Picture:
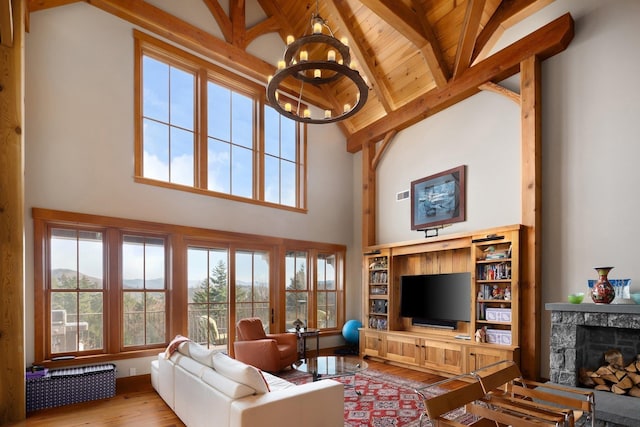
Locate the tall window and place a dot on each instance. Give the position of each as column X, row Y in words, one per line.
column 296, row 288
column 252, row 285
column 77, row 290
column 282, row 158
column 230, row 141
column 143, row 291
column 204, row 129
column 208, row 295
column 168, row 122
column 326, row 291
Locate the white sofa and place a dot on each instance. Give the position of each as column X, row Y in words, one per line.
column 208, row 388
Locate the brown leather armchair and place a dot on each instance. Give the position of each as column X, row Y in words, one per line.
column 269, row 352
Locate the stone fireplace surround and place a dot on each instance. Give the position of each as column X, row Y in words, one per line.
column 580, row 333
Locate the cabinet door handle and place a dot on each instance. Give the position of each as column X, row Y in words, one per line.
column 472, row 354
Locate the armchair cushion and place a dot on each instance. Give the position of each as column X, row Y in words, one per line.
column 269, row 352
column 250, row 329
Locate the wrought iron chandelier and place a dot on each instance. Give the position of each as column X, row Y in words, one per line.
column 317, row 59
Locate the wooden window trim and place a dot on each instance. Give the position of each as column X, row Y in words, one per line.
column 205, row 71
column 177, row 238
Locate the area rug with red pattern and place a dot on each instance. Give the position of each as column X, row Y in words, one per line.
column 375, row 399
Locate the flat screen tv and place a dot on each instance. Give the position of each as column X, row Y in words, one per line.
column 438, row 300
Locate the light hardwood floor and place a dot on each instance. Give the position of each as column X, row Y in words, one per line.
column 137, row 404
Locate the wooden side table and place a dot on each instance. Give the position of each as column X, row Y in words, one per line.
column 303, row 334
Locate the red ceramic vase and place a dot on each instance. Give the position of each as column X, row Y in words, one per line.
column 603, row 292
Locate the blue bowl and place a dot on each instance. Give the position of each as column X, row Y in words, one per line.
column 636, row 297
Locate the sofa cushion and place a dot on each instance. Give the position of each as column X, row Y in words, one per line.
column 240, row 372
column 198, row 353
column 190, row 365
column 230, row 388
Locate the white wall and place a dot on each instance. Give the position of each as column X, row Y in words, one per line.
column 483, row 133
column 590, row 150
column 79, row 150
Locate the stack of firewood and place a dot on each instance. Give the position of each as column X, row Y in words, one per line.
column 614, row 376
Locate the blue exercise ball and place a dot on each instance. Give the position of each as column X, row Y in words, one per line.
column 350, row 331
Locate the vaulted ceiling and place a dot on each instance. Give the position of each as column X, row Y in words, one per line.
column 418, row 56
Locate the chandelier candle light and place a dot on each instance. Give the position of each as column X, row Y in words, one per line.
column 317, row 59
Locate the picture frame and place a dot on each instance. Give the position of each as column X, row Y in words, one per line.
column 438, row 199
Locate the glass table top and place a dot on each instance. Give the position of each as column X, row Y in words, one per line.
column 331, row 366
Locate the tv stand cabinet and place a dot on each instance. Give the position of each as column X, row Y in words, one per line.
column 492, row 258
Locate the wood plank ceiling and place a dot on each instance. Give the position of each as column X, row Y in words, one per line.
column 408, row 50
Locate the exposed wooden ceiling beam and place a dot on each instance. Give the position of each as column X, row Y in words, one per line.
column 272, row 10
column 221, row 18
column 400, row 17
column 501, row 90
column 544, row 42
column 339, row 10
column 494, row 27
column 35, row 5
column 156, row 20
column 468, row 35
column 383, row 148
column 269, row 25
column 238, row 22
column 431, row 51
column 406, row 22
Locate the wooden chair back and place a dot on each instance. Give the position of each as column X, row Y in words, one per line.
column 504, row 380
column 497, row 375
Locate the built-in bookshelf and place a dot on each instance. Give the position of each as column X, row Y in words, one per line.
column 495, row 315
column 377, row 290
column 492, row 259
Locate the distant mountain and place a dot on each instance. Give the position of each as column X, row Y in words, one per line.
column 60, row 275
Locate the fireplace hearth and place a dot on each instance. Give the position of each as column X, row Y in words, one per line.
column 580, row 335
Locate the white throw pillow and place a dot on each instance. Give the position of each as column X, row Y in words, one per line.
column 240, row 372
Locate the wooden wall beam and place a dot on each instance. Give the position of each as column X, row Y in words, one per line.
column 371, row 156
column 368, row 195
column 531, row 170
column 12, row 389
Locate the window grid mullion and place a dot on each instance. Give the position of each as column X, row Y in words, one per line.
column 204, row 72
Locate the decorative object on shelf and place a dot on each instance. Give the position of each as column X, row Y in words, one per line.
column 602, row 291
column 298, row 324
column 621, row 288
column 576, row 298
column 438, row 199
column 481, row 334
column 317, row 59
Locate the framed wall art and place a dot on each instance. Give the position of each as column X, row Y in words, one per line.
column 438, row 199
